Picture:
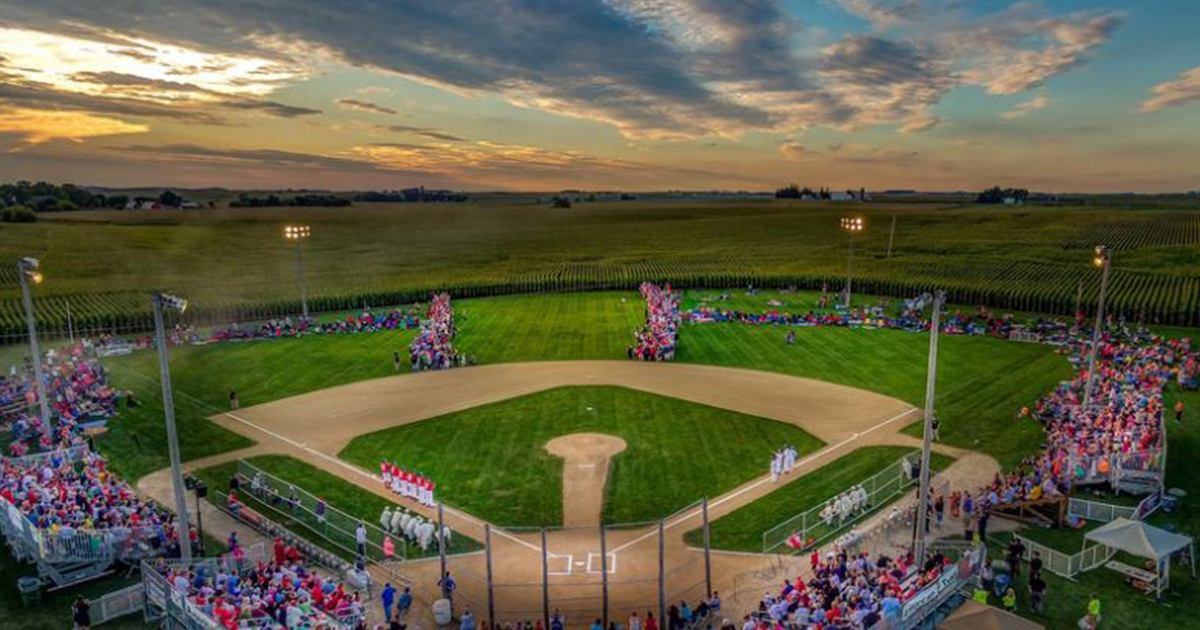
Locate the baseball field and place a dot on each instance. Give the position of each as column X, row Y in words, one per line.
column 552, row 431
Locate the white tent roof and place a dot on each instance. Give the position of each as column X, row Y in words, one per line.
column 1138, row 538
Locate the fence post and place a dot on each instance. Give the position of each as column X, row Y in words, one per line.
column 604, row 575
column 662, row 577
column 545, row 583
column 442, row 552
column 487, row 548
column 707, row 553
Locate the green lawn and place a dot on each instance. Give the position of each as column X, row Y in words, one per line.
column 490, row 460
column 552, row 327
column 259, row 371
column 742, row 529
column 339, row 493
column 54, row 611
column 982, row 382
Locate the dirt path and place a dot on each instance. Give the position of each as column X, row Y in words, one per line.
column 315, row 427
column 585, row 472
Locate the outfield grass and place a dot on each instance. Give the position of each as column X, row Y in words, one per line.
column 564, row 326
column 742, row 529
column 340, row 494
column 491, row 461
column 982, row 382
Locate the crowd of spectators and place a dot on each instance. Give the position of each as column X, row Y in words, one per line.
column 275, row 593
column 365, row 322
column 432, row 349
column 61, row 497
column 78, row 395
column 846, row 591
column 657, row 339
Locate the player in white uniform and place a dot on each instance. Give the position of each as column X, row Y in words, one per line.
column 385, row 519
column 775, row 466
column 399, row 521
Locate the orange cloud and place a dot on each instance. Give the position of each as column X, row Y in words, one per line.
column 37, row 126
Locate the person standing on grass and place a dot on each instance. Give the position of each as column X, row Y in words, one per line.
column 1010, row 600
column 319, row 510
column 1179, row 411
column 396, row 360
column 1035, row 565
column 234, row 404
column 1093, row 610
column 81, row 613
column 1037, row 592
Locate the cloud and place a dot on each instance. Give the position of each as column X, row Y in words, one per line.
column 364, row 106
column 649, row 68
column 38, row 126
column 1022, row 47
column 1021, row 109
column 427, row 132
column 1181, row 91
column 793, row 151
column 887, row 81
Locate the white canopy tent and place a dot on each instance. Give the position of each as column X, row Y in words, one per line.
column 1145, row 541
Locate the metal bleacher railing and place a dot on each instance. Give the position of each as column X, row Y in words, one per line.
column 813, row 528
column 300, row 506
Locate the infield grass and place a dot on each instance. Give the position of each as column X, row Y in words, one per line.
column 491, row 460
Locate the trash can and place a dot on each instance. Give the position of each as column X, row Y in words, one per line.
column 31, row 590
column 442, row 613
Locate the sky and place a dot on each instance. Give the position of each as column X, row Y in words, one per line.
column 1053, row 95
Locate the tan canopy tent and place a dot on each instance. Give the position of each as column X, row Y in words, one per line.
column 975, row 616
column 1145, row 541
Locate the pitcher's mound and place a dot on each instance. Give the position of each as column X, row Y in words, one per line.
column 585, row 470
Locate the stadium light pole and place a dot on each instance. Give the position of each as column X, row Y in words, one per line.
column 27, row 270
column 160, row 301
column 852, row 225
column 298, row 233
column 927, row 442
column 1101, row 258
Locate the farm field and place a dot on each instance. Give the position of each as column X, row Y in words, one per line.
column 234, row 264
column 490, row 460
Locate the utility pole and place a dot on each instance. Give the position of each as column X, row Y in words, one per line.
column 181, row 511
column 927, row 443
column 27, row 271
column 891, row 236
column 1103, row 260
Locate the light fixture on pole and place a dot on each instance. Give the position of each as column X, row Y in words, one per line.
column 161, row 301
column 27, row 271
column 1102, row 259
column 939, row 298
column 298, row 233
column 852, row 225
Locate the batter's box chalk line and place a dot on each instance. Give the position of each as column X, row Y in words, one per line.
column 593, row 563
column 556, row 563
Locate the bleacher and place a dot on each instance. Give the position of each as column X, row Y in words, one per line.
column 66, row 558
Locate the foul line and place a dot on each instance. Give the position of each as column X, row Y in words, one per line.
column 467, row 517
column 767, row 479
